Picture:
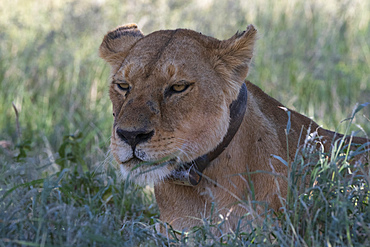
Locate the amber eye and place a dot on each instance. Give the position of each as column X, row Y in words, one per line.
column 123, row 86
column 179, row 88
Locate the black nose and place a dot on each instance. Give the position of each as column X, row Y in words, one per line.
column 133, row 138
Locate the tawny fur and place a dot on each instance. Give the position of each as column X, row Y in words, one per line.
column 191, row 123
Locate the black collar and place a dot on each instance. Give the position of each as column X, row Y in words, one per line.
column 190, row 173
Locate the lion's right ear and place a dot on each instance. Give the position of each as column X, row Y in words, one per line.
column 234, row 55
column 118, row 42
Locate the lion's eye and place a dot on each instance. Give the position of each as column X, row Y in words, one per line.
column 179, row 88
column 123, row 86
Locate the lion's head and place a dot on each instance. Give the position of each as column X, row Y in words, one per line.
column 171, row 92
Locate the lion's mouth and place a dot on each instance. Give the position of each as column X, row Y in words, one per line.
column 135, row 163
column 144, row 171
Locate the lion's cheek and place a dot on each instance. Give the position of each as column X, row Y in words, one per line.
column 205, row 131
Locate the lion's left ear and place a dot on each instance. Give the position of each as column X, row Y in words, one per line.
column 234, row 55
column 118, row 42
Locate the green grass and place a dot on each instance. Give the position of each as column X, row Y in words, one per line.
column 313, row 57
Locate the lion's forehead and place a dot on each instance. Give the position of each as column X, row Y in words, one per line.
column 172, row 43
column 163, row 71
column 166, row 54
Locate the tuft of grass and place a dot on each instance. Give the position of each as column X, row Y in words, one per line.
column 74, row 206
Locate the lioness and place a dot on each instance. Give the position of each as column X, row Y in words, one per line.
column 182, row 105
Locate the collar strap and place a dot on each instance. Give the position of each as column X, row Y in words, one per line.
column 190, row 173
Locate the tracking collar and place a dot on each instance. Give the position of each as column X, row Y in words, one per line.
column 190, row 173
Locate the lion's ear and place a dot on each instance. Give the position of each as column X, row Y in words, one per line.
column 235, row 54
column 119, row 41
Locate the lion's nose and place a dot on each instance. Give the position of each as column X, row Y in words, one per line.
column 133, row 138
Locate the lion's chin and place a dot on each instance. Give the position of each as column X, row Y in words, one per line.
column 144, row 173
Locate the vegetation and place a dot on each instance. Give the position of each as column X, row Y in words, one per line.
column 57, row 184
